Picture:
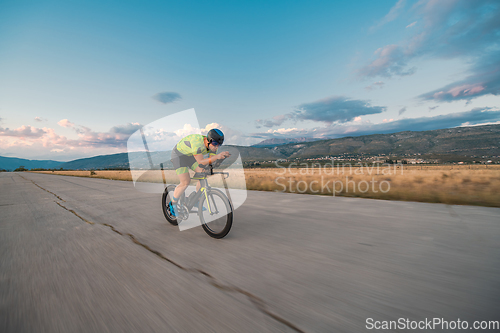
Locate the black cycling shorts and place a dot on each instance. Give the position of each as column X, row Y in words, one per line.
column 182, row 163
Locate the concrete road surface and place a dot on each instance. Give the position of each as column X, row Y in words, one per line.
column 93, row 255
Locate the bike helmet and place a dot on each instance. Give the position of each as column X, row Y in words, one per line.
column 215, row 135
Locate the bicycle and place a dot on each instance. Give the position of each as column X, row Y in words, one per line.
column 214, row 207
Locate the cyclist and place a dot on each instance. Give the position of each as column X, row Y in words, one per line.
column 188, row 153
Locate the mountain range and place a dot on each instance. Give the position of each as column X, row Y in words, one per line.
column 461, row 142
column 11, row 163
column 453, row 144
column 278, row 142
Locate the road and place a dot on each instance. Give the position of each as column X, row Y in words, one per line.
column 94, row 255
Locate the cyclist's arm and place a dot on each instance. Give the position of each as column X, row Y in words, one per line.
column 199, row 158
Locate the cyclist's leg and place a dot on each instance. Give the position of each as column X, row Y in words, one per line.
column 181, row 164
column 184, row 180
column 196, row 168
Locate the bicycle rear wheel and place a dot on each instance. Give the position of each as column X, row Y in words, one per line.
column 217, row 218
column 166, row 198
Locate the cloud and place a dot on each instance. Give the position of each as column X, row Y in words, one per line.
column 44, row 142
column 411, row 25
column 65, row 123
column 51, row 139
column 160, row 139
column 391, row 60
column 475, row 116
column 484, row 80
column 231, row 137
column 393, row 13
column 336, row 109
column 472, row 117
column 31, row 142
column 208, row 127
column 126, row 129
column 116, row 137
column 450, row 29
column 402, row 110
column 374, row 85
column 40, row 119
column 285, row 131
column 456, row 91
column 274, row 121
column 79, row 129
column 186, row 130
column 167, row 97
column 23, row 132
column 329, row 110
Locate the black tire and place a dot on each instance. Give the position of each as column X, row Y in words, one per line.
column 164, row 204
column 224, row 222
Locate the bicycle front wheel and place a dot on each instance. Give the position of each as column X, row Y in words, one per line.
column 216, row 214
column 165, row 200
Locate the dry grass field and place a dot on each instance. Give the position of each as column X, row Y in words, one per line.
column 477, row 185
column 457, row 184
column 108, row 174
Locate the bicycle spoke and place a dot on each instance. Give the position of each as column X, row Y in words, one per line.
column 216, row 221
column 214, row 205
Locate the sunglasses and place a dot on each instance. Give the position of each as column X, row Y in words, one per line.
column 215, row 143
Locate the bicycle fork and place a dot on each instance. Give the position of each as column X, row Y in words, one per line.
column 210, row 207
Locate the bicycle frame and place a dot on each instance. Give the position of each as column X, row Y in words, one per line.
column 204, row 189
column 213, row 196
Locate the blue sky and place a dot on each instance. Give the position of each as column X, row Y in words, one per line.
column 77, row 78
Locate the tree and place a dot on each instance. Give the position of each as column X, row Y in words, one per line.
column 21, row 168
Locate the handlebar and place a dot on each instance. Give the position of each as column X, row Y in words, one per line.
column 214, row 164
column 210, row 170
column 209, row 173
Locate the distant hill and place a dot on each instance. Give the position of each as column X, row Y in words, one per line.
column 12, row 163
column 118, row 161
column 277, row 142
column 454, row 144
column 459, row 141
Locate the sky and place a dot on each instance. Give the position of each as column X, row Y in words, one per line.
column 77, row 78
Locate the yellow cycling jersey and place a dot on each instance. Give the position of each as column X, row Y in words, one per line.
column 193, row 144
